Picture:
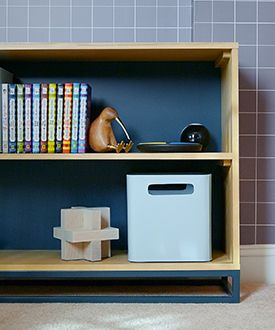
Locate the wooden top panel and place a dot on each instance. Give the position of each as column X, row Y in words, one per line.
column 114, row 52
column 51, row 260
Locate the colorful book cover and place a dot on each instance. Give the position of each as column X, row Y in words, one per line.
column 44, row 119
column 51, row 118
column 75, row 118
column 5, row 118
column 28, row 118
column 12, row 118
column 84, row 117
column 66, row 147
column 20, row 118
column 59, row 117
column 36, row 118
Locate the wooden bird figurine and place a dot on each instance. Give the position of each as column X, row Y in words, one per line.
column 101, row 135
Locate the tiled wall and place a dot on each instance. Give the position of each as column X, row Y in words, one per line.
column 251, row 23
column 95, row 20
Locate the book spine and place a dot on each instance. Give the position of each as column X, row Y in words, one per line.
column 75, row 118
column 84, row 117
column 51, row 118
column 67, row 118
column 28, row 118
column 44, row 119
column 20, row 118
column 5, row 119
column 59, row 117
column 12, row 118
column 36, row 118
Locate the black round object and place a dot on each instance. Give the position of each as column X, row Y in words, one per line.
column 196, row 133
column 169, row 147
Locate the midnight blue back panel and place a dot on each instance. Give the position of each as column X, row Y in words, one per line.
column 33, row 192
column 155, row 101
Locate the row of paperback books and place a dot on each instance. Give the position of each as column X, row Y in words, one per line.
column 45, row 118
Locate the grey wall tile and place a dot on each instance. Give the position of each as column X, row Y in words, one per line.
column 247, row 235
column 266, row 213
column 124, row 16
column 266, row 169
column 266, row 123
column 246, row 34
column 265, row 235
column 103, row 17
column 185, row 17
column 223, row 11
column 266, row 56
column 247, row 123
column 247, row 101
column 247, row 56
column 130, row 3
column 3, row 21
column 266, row 146
column 146, row 2
column 167, row 16
column 60, row 35
column 102, row 35
column 247, row 78
column 39, row 17
column 58, row 3
column 124, row 35
column 247, row 213
column 44, row 3
column 146, row 16
column 165, row 35
column 266, row 12
column 246, row 11
column 38, row 35
column 247, row 191
column 266, row 78
column 247, row 168
column 223, row 32
column 82, row 17
column 247, row 146
column 3, row 3
column 185, row 2
column 266, row 191
column 17, row 3
column 266, row 34
column 167, row 3
column 202, row 32
column 100, row 3
column 81, row 3
column 17, row 17
column 81, row 35
column 266, row 101
column 60, row 16
column 146, row 35
column 3, row 35
column 203, row 11
column 17, row 35
column 185, row 35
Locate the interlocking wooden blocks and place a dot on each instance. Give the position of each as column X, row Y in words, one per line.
column 85, row 233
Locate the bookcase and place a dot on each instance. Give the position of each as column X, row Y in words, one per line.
column 157, row 90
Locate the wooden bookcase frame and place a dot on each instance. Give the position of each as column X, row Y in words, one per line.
column 225, row 56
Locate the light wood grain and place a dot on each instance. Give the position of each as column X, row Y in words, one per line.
column 50, row 260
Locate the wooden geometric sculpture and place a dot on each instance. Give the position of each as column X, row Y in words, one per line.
column 85, row 233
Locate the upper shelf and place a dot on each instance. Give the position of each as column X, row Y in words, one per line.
column 224, row 156
column 115, row 52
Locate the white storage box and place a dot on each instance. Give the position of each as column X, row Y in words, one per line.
column 169, row 217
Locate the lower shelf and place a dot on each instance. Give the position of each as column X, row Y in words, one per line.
column 41, row 260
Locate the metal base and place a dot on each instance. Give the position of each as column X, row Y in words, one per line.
column 228, row 279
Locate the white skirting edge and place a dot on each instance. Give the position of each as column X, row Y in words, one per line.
column 258, row 263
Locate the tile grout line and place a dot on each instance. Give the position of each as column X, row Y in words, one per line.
column 113, row 27
column 7, row 20
column 135, row 20
column 157, row 3
column 212, row 19
column 28, row 21
column 92, row 21
column 71, row 20
column 50, row 21
column 256, row 111
column 178, row 20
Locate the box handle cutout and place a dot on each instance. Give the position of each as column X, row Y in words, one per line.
column 171, row 189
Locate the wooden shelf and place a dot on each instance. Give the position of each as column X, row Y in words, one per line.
column 226, row 156
column 116, row 52
column 41, row 260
